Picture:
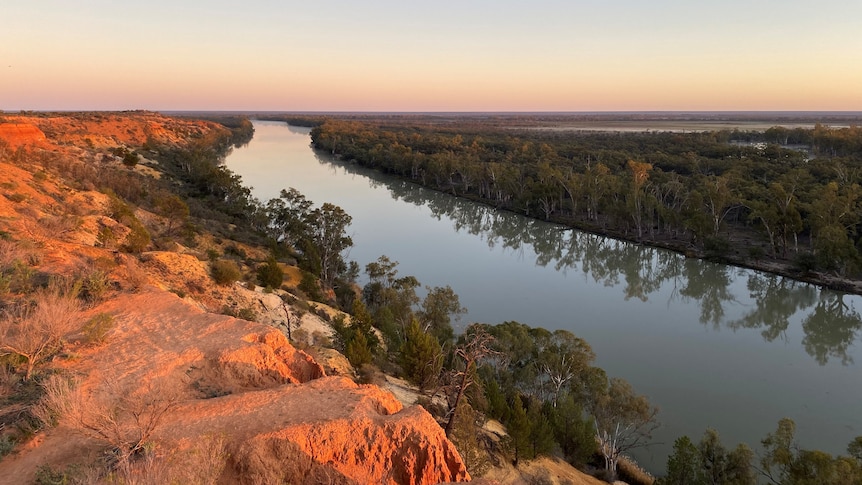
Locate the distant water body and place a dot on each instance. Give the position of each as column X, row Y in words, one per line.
column 711, row 345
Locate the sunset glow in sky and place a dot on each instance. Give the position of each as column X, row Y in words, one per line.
column 543, row 55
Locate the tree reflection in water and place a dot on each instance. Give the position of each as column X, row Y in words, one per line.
column 830, row 325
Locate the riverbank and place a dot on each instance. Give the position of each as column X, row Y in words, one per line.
column 732, row 255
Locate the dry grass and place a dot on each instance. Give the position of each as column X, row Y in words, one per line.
column 36, row 330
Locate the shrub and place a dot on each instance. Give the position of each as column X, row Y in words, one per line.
column 270, row 274
column 130, row 159
column 138, row 239
column 106, row 237
column 225, row 272
column 94, row 285
column 7, row 444
column 16, row 197
column 36, row 332
column 96, row 329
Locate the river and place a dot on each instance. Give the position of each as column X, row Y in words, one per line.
column 711, row 345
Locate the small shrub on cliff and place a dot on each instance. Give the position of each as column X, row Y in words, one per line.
column 36, row 331
column 270, row 274
column 225, row 272
column 97, row 328
column 138, row 239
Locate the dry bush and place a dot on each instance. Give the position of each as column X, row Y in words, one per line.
column 59, row 225
column 204, row 463
column 135, row 277
column 35, row 330
column 9, row 253
column 58, row 399
column 122, row 418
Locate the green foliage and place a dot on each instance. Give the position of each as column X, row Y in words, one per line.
column 519, row 428
column 573, row 430
column 693, row 191
column 310, row 286
column 137, row 240
column 174, row 209
column 358, row 351
column 421, row 357
column 541, row 434
column 94, row 285
column 784, row 462
column 245, row 313
column 270, row 274
column 130, row 159
column 106, row 237
column 465, row 438
column 97, row 328
column 855, row 448
column 7, row 444
column 683, row 466
column 437, row 309
column 709, row 463
column 225, row 272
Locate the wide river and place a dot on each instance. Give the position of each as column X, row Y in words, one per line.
column 711, row 345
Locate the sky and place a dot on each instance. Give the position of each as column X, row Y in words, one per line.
column 541, row 55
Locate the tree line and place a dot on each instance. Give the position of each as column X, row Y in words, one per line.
column 738, row 196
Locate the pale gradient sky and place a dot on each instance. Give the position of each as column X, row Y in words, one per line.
column 542, row 55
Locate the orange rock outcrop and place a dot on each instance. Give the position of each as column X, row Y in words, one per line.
column 284, row 420
column 18, row 134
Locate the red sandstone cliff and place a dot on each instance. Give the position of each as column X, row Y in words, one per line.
column 283, row 420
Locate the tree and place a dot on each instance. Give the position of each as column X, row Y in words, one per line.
column 174, row 209
column 683, row 466
column 358, row 351
column 477, row 345
column 784, row 462
column 639, row 176
column 709, row 463
column 779, row 452
column 329, row 232
column 390, row 299
column 438, row 307
column 518, row 427
column 855, row 449
column 720, row 467
column 623, row 419
column 421, row 356
column 563, row 358
column 288, row 216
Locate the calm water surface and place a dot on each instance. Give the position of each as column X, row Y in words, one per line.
column 711, row 345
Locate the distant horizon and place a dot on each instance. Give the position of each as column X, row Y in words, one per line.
column 432, row 112
column 384, row 56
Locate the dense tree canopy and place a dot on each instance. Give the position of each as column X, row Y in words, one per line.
column 734, row 195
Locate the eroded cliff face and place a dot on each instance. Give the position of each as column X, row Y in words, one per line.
column 283, row 420
column 278, row 416
column 19, row 134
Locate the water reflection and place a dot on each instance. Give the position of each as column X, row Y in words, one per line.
column 830, row 325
